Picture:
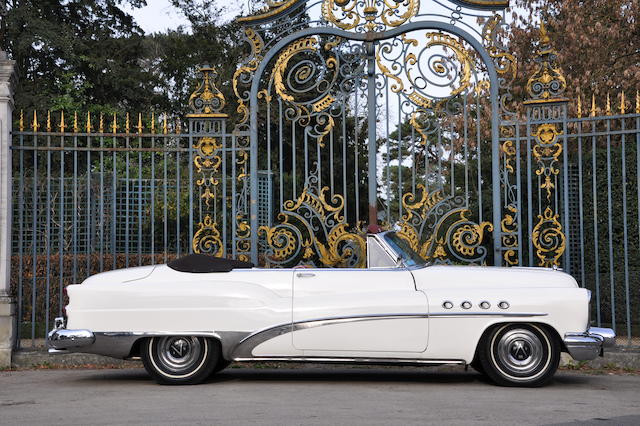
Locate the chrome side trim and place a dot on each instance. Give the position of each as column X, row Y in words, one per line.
column 246, row 345
column 355, row 360
column 487, row 314
column 119, row 344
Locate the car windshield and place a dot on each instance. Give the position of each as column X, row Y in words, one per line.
column 400, row 246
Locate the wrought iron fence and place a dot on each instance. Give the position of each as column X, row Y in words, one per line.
column 464, row 177
column 89, row 199
column 595, row 182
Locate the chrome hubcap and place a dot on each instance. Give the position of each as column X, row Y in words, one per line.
column 521, row 351
column 178, row 353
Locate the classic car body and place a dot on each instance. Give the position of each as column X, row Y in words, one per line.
column 395, row 311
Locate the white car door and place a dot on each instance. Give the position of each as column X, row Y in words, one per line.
column 358, row 310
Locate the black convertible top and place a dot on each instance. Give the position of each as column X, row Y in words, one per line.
column 203, row 263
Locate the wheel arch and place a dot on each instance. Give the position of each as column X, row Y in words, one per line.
column 136, row 350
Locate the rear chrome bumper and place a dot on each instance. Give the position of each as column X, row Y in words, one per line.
column 61, row 340
column 588, row 345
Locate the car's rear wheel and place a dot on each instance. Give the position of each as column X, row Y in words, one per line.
column 520, row 355
column 180, row 360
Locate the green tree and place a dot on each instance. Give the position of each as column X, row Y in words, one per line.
column 78, row 54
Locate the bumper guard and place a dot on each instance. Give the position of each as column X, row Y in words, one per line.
column 588, row 345
column 61, row 340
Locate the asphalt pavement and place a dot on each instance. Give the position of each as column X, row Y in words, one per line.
column 314, row 395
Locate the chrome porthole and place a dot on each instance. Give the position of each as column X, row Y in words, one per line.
column 466, row 305
column 503, row 305
column 447, row 305
column 485, row 305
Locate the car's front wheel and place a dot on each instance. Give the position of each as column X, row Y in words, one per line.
column 520, row 355
column 180, row 360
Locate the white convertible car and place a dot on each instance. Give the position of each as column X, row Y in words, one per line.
column 194, row 316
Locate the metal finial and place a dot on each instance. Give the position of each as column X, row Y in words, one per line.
column 127, row 128
column 165, row 129
column 593, row 105
column 22, row 120
column 579, row 106
column 140, row 127
column 48, row 120
column 608, row 111
column 35, row 124
column 637, row 101
column 623, row 107
column 101, row 126
column 88, row 121
column 153, row 122
column 75, row 122
column 114, row 124
column 63, row 126
column 544, row 35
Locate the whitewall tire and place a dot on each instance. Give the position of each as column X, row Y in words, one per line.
column 180, row 360
column 519, row 355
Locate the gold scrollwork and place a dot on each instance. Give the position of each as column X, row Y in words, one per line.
column 311, row 114
column 272, row 9
column 509, row 227
column 509, row 150
column 207, row 164
column 372, row 14
column 439, row 68
column 547, row 152
column 451, row 236
column 466, row 236
column 547, row 84
column 548, row 239
column 312, row 228
column 243, row 74
column 506, row 64
column 207, row 100
column 207, row 239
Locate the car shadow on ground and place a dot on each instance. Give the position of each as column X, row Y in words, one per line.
column 335, row 375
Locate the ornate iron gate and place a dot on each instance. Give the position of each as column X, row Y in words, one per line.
column 368, row 113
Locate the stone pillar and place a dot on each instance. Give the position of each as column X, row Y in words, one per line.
column 7, row 307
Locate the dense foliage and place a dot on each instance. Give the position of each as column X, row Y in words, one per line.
column 91, row 55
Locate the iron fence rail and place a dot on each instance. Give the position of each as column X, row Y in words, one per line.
column 89, row 202
column 598, row 190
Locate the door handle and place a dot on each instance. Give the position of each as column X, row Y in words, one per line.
column 305, row 275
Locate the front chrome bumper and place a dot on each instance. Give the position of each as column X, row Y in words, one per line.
column 61, row 340
column 588, row 345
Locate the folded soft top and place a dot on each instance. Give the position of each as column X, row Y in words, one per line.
column 203, row 263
